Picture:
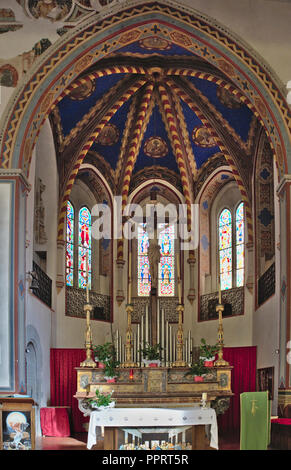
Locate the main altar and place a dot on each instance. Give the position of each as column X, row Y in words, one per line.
column 165, row 386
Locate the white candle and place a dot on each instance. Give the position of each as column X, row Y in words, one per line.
column 167, row 342
column 163, row 334
column 147, row 324
column 158, row 322
column 87, row 277
column 138, row 342
column 117, row 345
column 171, row 344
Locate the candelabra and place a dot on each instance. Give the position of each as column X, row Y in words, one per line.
column 89, row 362
column 220, row 308
column 180, row 340
column 129, row 340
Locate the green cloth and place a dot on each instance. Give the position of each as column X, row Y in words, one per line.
column 254, row 421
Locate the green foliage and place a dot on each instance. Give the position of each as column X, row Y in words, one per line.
column 151, row 352
column 102, row 399
column 104, row 351
column 206, row 350
column 107, row 355
column 197, row 368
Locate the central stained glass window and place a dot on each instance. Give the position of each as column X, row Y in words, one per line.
column 84, row 246
column 166, row 272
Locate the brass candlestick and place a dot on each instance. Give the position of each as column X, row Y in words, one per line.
column 89, row 362
column 180, row 340
column 129, row 340
column 220, row 361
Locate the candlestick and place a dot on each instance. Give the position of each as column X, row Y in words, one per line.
column 87, row 277
column 129, row 277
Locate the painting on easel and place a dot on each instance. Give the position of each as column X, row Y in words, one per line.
column 17, row 430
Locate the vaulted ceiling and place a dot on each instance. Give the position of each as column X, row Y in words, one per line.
column 179, row 119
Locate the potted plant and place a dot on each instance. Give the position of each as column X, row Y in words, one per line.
column 197, row 370
column 207, row 352
column 103, row 352
column 110, row 372
column 151, row 354
column 106, row 356
column 102, row 400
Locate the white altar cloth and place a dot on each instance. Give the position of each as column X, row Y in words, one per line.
column 143, row 417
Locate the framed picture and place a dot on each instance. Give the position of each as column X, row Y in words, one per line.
column 265, row 381
column 17, row 426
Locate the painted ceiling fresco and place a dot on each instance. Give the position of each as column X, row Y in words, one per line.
column 199, row 106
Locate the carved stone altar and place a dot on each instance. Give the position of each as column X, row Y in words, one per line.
column 155, row 387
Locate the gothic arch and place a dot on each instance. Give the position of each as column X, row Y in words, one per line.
column 98, row 36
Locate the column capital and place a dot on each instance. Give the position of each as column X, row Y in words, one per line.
column 15, row 173
column 286, row 179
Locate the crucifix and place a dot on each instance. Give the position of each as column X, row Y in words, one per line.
column 154, row 254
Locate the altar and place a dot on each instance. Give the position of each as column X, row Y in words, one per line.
column 118, row 423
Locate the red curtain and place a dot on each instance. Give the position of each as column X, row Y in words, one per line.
column 243, row 379
column 64, row 382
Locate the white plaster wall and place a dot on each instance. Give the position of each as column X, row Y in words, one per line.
column 37, row 314
column 266, row 317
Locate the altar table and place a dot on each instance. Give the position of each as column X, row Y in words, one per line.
column 114, row 418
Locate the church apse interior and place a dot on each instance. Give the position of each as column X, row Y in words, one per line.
column 135, row 121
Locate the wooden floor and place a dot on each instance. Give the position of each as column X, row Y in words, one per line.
column 79, row 442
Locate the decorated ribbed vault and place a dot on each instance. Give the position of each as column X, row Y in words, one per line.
column 154, row 110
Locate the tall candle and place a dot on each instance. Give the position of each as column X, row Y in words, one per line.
column 138, row 342
column 219, row 292
column 167, row 342
column 179, row 278
column 171, row 344
column 158, row 321
column 163, row 334
column 87, row 277
column 129, row 277
column 147, row 324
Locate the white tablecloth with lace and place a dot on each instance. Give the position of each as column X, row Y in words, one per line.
column 153, row 417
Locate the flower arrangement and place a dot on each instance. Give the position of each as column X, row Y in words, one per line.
column 102, row 400
column 197, row 369
column 106, row 354
column 207, row 352
column 151, row 352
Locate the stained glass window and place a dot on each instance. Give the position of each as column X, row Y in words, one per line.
column 166, row 281
column 239, row 221
column 84, row 243
column 70, row 245
column 144, row 278
column 225, row 249
column 166, row 265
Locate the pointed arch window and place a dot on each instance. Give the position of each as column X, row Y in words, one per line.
column 239, row 221
column 231, row 247
column 225, row 249
column 143, row 266
column 166, row 273
column 166, row 265
column 84, row 247
column 70, row 245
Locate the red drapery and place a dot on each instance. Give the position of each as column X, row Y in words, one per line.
column 243, row 379
column 64, row 382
